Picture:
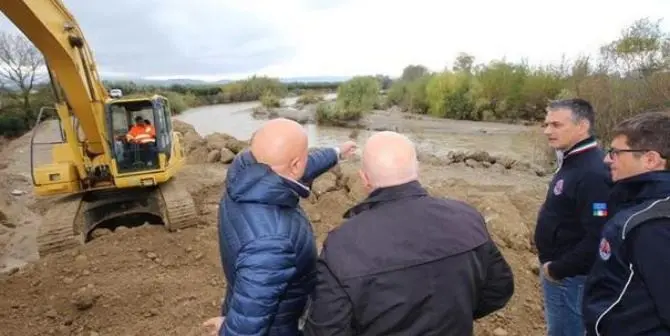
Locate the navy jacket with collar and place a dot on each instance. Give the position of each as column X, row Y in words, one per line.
column 571, row 218
column 628, row 289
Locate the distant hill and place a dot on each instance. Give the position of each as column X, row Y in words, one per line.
column 315, row 79
column 188, row 81
column 160, row 82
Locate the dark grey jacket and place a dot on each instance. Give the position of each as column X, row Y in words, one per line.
column 405, row 263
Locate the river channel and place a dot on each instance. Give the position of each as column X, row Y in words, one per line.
column 431, row 135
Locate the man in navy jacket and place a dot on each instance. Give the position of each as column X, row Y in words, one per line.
column 627, row 291
column 571, row 218
column 267, row 245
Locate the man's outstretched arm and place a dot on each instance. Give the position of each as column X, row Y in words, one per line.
column 263, row 271
column 319, row 161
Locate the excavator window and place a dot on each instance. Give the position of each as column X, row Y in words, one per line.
column 136, row 143
column 120, row 120
column 163, row 130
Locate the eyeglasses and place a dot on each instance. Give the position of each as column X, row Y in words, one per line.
column 613, row 152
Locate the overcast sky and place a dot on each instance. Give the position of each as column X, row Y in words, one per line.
column 213, row 39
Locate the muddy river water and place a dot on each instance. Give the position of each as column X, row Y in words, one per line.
column 432, row 135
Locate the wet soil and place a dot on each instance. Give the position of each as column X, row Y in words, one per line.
column 147, row 281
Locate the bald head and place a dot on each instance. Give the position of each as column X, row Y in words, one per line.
column 280, row 143
column 389, row 159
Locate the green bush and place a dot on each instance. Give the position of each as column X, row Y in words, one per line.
column 252, row 89
column 356, row 97
column 310, row 97
column 270, row 100
column 178, row 102
column 450, row 94
column 12, row 124
column 325, row 112
column 411, row 96
column 330, row 113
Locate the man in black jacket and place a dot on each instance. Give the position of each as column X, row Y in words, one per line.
column 403, row 262
column 626, row 292
column 572, row 216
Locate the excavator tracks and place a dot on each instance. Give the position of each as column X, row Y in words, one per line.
column 179, row 208
column 56, row 232
column 68, row 222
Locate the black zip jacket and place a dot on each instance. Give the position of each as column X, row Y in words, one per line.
column 626, row 292
column 571, row 219
column 405, row 263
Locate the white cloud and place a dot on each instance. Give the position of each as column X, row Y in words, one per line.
column 374, row 36
column 347, row 37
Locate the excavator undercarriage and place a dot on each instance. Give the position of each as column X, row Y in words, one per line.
column 71, row 221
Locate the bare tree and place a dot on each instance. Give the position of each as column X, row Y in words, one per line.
column 642, row 49
column 463, row 62
column 413, row 72
column 20, row 65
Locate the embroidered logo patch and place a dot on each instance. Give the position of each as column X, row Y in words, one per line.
column 604, row 249
column 558, row 187
column 600, row 209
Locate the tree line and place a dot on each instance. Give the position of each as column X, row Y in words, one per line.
column 629, row 75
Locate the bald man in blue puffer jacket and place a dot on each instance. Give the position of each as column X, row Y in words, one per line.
column 267, row 246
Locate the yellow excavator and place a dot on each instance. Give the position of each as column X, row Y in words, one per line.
column 107, row 180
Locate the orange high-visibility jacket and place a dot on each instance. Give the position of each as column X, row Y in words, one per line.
column 141, row 134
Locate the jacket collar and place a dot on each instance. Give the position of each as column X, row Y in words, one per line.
column 249, row 181
column 581, row 147
column 387, row 194
column 640, row 188
column 297, row 187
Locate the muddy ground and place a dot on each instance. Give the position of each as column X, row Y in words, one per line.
column 146, row 281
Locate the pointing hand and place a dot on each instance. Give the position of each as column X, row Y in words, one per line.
column 347, row 149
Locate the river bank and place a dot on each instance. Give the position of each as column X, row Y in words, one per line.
column 434, row 137
column 150, row 282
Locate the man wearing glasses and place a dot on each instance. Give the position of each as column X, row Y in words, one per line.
column 627, row 291
column 570, row 220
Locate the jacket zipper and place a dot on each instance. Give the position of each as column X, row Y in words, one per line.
column 630, row 265
column 623, row 292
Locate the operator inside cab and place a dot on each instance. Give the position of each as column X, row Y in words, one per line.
column 141, row 132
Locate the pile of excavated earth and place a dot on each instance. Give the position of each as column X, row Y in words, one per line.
column 147, row 281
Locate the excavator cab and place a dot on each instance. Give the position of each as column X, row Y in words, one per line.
column 141, row 130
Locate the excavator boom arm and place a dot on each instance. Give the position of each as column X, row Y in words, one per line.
column 54, row 31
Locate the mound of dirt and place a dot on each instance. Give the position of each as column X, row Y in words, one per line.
column 18, row 222
column 216, row 147
column 147, row 281
column 483, row 159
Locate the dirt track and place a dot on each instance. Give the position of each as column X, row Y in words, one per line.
column 146, row 281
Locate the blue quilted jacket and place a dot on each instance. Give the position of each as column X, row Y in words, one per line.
column 267, row 246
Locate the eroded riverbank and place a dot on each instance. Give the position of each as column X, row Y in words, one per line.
column 435, row 137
